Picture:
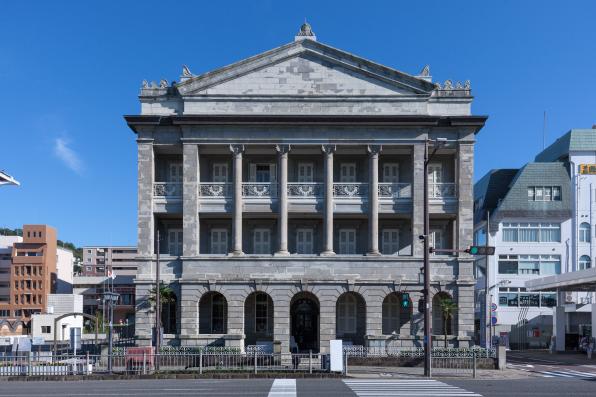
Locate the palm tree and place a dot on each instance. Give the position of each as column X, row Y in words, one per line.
column 166, row 297
column 447, row 308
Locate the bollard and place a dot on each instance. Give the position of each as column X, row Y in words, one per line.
column 144, row 362
column 310, row 361
column 201, row 361
column 474, row 364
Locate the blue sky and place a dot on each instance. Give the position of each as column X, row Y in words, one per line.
column 70, row 70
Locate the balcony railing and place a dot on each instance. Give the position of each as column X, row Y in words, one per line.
column 395, row 190
column 167, row 189
column 442, row 190
column 349, row 190
column 259, row 189
column 216, row 189
column 305, row 189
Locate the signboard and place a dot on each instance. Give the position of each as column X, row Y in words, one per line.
column 21, row 344
column 493, row 320
column 587, row 169
column 493, row 307
column 336, row 355
column 37, row 340
column 75, row 338
column 5, row 342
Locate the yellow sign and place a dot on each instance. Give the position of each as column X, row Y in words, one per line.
column 589, row 169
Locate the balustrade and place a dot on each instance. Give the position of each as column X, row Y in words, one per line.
column 259, row 189
column 350, row 190
column 305, row 189
column 441, row 190
column 395, row 190
column 167, row 189
column 215, row 189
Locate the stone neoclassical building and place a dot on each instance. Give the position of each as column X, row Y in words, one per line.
column 287, row 191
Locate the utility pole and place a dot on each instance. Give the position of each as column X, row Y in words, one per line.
column 487, row 303
column 427, row 306
column 157, row 304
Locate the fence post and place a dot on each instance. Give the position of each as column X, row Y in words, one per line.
column 201, row 361
column 474, row 364
column 255, row 360
column 310, row 361
column 144, row 362
column 87, row 363
column 29, row 364
column 346, row 364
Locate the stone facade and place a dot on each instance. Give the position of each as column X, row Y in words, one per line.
column 287, row 193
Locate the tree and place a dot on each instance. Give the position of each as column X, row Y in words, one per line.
column 447, row 308
column 167, row 297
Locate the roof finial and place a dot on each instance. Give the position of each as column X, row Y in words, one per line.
column 305, row 32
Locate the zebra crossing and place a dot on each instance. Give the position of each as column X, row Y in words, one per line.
column 567, row 373
column 405, row 387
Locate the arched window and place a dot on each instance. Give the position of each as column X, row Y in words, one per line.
column 213, row 314
column 584, row 262
column 395, row 315
column 168, row 314
column 258, row 318
column 351, row 318
column 584, row 232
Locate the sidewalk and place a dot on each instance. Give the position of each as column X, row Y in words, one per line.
column 563, row 358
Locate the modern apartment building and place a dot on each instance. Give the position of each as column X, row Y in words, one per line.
column 527, row 213
column 98, row 261
column 34, row 266
column 92, row 288
column 285, row 193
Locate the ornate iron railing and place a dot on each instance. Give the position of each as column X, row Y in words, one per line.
column 349, row 190
column 167, row 189
column 259, row 189
column 442, row 190
column 215, row 189
column 395, row 190
column 305, row 189
column 395, row 351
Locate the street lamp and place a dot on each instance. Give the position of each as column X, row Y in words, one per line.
column 111, row 298
column 438, row 142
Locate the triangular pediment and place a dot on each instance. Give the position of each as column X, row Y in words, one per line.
column 305, row 68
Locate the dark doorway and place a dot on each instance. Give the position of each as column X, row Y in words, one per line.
column 304, row 313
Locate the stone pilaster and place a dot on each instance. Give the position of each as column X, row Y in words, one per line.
column 237, row 151
column 282, row 152
column 328, row 151
column 146, row 169
column 465, row 192
column 327, row 329
column 417, row 198
column 373, row 199
column 190, row 200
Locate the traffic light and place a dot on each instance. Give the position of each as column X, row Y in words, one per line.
column 481, row 250
column 421, row 305
column 405, row 300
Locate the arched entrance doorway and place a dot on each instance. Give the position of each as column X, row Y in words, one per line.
column 304, row 322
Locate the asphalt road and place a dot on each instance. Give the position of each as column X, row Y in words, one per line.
column 306, row 387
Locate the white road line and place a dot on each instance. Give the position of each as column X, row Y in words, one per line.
column 556, row 373
column 283, row 388
column 579, row 373
column 406, row 387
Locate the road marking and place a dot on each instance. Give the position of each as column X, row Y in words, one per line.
column 406, row 387
column 283, row 388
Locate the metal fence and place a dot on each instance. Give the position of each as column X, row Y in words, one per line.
column 454, row 366
column 30, row 365
column 439, row 352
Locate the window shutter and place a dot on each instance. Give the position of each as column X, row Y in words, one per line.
column 252, row 172
column 273, row 172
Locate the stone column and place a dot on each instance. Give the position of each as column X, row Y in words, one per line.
column 417, row 199
column 237, row 151
column 373, row 199
column 465, row 194
column 190, row 200
column 146, row 177
column 282, row 151
column 328, row 151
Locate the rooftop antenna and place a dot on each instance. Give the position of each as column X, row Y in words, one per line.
column 544, row 131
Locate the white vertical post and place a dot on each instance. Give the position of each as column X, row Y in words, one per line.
column 237, row 151
column 328, row 151
column 282, row 151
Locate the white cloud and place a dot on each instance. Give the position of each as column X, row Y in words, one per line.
column 67, row 155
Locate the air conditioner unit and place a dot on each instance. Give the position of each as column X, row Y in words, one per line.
column 569, row 297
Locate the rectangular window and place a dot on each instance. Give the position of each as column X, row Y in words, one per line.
column 304, row 241
column 4, row 313
column 175, row 172
column 436, row 239
column 347, row 172
column 220, row 172
column 544, row 265
column 262, row 241
column 219, row 241
column 46, row 329
column 529, row 300
column 548, row 300
column 261, row 311
column 305, row 172
column 347, row 241
column 391, row 173
column 508, row 299
column 390, row 242
column 532, row 232
column 175, row 242
column 544, row 193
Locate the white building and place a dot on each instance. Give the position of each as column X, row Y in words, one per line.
column 528, row 215
column 42, row 325
column 64, row 270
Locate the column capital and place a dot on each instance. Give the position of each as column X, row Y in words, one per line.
column 282, row 149
column 374, row 150
column 328, row 149
column 236, row 149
